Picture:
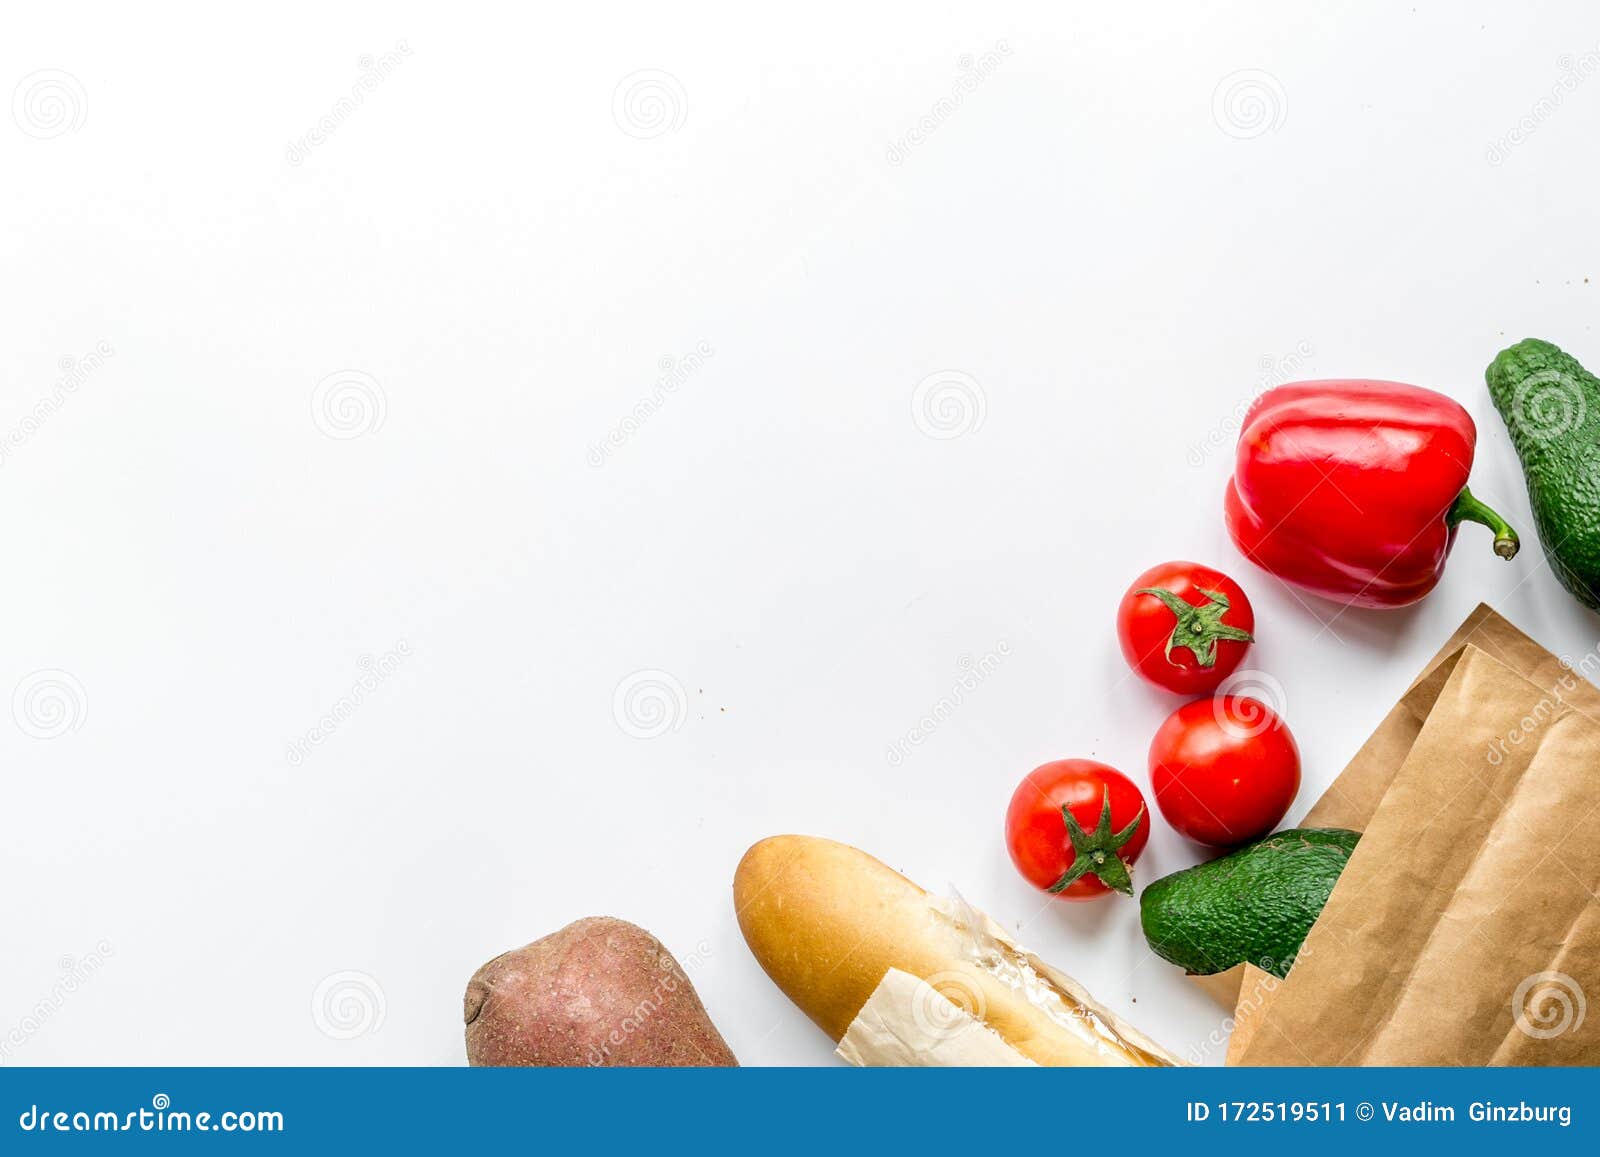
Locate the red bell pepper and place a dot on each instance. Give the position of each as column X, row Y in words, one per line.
column 1354, row 489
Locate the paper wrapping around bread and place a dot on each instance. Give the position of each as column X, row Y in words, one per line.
column 829, row 924
column 1431, row 949
column 908, row 1023
column 910, row 1020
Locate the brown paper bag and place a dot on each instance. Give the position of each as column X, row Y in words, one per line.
column 1353, row 798
column 1466, row 927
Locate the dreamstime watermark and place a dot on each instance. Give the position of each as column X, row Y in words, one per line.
column 945, row 1003
column 74, row 372
column 1549, row 707
column 1548, row 404
column 648, row 704
column 49, row 703
column 1249, row 103
column 348, row 1004
column 1273, row 371
column 649, row 104
column 349, row 404
column 49, row 103
column 1238, row 703
column 673, row 976
column 949, row 403
column 374, row 71
column 76, row 971
column 673, row 373
column 973, row 673
column 1248, row 1003
column 160, row 1118
column 374, row 671
column 1548, row 1004
column 1573, row 72
column 971, row 72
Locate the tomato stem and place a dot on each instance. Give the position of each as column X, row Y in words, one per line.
column 1199, row 628
column 1096, row 851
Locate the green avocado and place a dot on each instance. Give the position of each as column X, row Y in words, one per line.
column 1255, row 904
column 1551, row 406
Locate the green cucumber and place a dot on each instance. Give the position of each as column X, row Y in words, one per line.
column 1255, row 904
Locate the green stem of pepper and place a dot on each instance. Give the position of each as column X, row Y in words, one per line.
column 1466, row 508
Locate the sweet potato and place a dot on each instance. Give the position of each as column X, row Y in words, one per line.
column 598, row 992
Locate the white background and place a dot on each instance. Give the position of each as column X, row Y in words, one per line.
column 1117, row 252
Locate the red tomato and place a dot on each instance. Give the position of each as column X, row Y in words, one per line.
column 1091, row 856
column 1224, row 769
column 1184, row 626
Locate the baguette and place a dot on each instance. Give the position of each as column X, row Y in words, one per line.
column 828, row 923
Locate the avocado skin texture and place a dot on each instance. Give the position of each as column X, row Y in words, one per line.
column 1255, row 904
column 1551, row 407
